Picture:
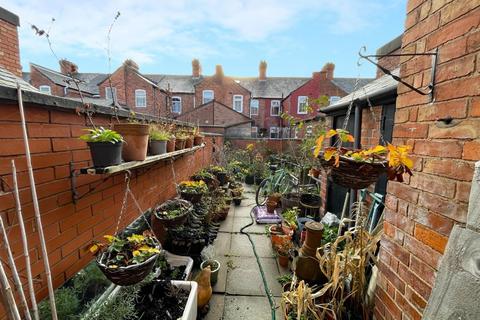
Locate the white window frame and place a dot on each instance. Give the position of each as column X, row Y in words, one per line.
column 277, row 130
column 302, row 100
column 254, row 130
column 279, row 108
column 238, row 98
column 140, row 94
column 45, row 89
column 335, row 98
column 112, row 96
column 257, row 107
column 180, row 104
column 203, row 96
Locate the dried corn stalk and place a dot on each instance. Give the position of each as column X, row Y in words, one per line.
column 299, row 300
column 344, row 263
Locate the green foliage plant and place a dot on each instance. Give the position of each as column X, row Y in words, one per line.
column 101, row 134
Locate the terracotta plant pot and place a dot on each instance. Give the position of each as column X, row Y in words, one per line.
column 283, row 261
column 136, row 140
column 271, row 206
column 313, row 239
column 171, row 145
column 189, row 143
column 198, row 140
column 275, row 197
column 277, row 236
column 180, row 144
column 287, row 229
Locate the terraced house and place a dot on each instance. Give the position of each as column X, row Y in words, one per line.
column 236, row 106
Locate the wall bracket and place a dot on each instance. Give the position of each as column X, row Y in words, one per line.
column 431, row 86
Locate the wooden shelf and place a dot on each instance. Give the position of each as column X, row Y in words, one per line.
column 136, row 164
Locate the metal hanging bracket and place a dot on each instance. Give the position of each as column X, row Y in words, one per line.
column 431, row 86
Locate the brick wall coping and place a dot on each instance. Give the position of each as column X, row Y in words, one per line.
column 391, row 46
column 262, row 139
column 9, row 17
column 70, row 105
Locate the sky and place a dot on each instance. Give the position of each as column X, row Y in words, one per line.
column 295, row 37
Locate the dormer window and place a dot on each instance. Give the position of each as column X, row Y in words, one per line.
column 45, row 89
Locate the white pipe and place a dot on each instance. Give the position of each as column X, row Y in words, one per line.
column 36, row 207
column 13, row 267
column 25, row 243
column 12, row 305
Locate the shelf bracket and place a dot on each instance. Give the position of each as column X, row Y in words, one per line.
column 431, row 86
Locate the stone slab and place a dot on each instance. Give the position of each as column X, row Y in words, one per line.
column 251, row 308
column 221, row 284
column 217, row 303
column 473, row 218
column 243, row 211
column 241, row 246
column 239, row 223
column 456, row 290
column 245, row 278
column 222, row 243
column 227, row 224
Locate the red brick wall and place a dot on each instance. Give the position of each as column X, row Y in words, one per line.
column 37, row 79
column 156, row 100
column 9, row 49
column 70, row 227
column 389, row 63
column 117, row 80
column 188, row 101
column 213, row 113
column 421, row 212
column 224, row 89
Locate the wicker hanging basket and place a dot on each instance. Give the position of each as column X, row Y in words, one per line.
column 353, row 174
column 129, row 275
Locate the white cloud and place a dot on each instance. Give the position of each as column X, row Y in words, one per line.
column 186, row 28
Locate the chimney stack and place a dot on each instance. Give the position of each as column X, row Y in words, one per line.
column 9, row 50
column 328, row 68
column 68, row 67
column 196, row 68
column 262, row 70
column 219, row 71
column 132, row 64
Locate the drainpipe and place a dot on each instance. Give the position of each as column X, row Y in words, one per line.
column 357, row 131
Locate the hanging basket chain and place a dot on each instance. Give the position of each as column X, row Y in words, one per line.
column 370, row 106
column 174, row 176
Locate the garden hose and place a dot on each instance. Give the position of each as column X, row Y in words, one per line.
column 262, row 273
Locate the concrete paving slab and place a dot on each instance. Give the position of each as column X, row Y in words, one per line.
column 245, row 278
column 243, row 211
column 221, row 284
column 251, row 308
column 227, row 224
column 222, row 243
column 217, row 303
column 241, row 246
column 239, row 223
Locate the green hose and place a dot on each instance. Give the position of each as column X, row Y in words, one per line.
column 265, row 285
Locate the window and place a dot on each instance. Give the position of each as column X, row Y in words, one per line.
column 254, row 132
column 309, row 131
column 334, row 99
column 275, row 108
column 253, row 107
column 108, row 93
column 176, row 105
column 45, row 89
column 238, row 103
column 302, row 107
column 208, row 96
column 140, row 98
column 274, row 132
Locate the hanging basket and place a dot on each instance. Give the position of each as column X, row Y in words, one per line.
column 129, row 275
column 353, row 174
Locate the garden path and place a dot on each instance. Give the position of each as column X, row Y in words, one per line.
column 239, row 293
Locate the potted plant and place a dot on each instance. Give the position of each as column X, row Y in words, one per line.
column 220, row 173
column 171, row 143
column 283, row 252
column 136, row 140
column 358, row 169
column 192, row 190
column 249, row 177
column 271, row 206
column 275, row 197
column 289, row 221
column 208, row 257
column 290, row 200
column 197, row 137
column 277, row 236
column 127, row 261
column 169, row 214
column 158, row 140
column 105, row 146
column 189, row 140
column 207, row 177
column 180, row 140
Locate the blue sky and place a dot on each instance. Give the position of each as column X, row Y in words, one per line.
column 295, row 37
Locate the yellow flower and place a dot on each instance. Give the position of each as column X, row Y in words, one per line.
column 250, row 147
column 109, row 238
column 136, row 253
column 136, row 238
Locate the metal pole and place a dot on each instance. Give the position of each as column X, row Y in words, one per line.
column 36, row 207
column 25, row 243
column 357, row 133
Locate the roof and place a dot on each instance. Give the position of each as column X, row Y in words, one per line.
column 383, row 85
column 175, row 83
column 8, row 79
column 272, row 87
column 89, row 81
column 348, row 84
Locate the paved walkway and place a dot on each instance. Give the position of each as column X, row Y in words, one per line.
column 239, row 293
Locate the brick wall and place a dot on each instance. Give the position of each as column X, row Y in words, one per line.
column 69, row 227
column 420, row 213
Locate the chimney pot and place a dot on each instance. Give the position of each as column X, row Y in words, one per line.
column 196, row 68
column 262, row 70
column 329, row 68
column 68, row 67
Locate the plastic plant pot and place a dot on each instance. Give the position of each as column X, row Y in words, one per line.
column 158, row 147
column 215, row 266
column 105, row 154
